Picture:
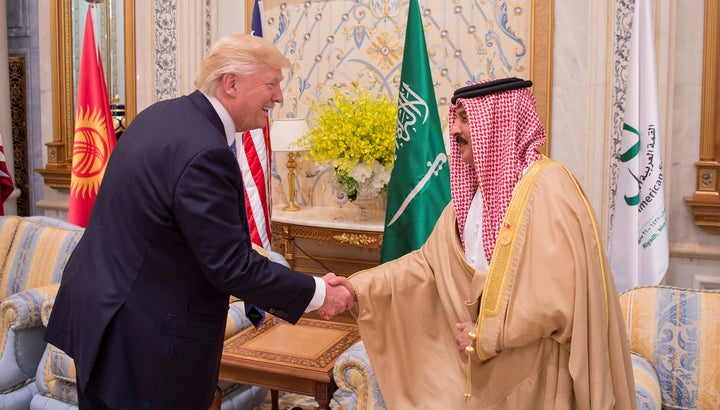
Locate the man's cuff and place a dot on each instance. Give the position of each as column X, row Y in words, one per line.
column 319, row 297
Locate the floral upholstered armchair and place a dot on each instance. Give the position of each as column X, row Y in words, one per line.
column 55, row 378
column 674, row 338
column 357, row 387
column 675, row 343
column 33, row 253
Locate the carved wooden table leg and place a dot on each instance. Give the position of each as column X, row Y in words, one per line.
column 275, row 397
column 323, row 394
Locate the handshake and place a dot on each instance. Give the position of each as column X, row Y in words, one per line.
column 339, row 296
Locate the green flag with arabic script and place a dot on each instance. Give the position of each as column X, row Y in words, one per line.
column 419, row 187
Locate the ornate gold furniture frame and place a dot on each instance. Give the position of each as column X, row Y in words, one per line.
column 334, row 226
column 705, row 202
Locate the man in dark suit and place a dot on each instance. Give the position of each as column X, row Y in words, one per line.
column 143, row 301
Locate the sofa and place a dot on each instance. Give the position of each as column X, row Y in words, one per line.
column 33, row 253
column 675, row 343
column 674, row 339
column 55, row 379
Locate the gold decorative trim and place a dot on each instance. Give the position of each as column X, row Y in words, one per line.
column 705, row 202
column 501, row 263
column 130, row 77
column 57, row 170
column 342, row 237
column 357, row 239
column 541, row 63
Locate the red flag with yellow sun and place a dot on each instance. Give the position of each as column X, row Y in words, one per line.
column 94, row 133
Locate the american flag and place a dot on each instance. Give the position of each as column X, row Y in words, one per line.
column 6, row 183
column 254, row 160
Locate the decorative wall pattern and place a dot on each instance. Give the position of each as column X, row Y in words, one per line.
column 18, row 118
column 621, row 50
column 166, row 49
column 346, row 43
column 335, row 44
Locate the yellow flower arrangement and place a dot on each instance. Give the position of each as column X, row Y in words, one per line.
column 355, row 134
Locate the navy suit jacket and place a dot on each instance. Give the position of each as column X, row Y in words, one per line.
column 143, row 300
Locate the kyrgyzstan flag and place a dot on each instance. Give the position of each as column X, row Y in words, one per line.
column 94, row 133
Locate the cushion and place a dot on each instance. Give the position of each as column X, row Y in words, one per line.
column 37, row 256
column 357, row 386
column 647, row 386
column 8, row 227
column 677, row 331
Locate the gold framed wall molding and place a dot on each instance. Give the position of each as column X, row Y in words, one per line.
column 59, row 151
column 705, row 201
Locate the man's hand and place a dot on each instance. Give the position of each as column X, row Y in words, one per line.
column 337, row 297
column 463, row 340
column 342, row 281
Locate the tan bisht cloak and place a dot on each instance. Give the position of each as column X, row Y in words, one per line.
column 550, row 331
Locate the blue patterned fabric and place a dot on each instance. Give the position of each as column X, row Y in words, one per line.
column 677, row 349
column 357, row 387
column 241, row 396
column 55, row 378
column 677, row 331
column 36, row 255
column 647, row 387
column 34, row 251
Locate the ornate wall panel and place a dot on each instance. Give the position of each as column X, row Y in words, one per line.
column 166, row 49
column 18, row 118
column 621, row 49
column 345, row 43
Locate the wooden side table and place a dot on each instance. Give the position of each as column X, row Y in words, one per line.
column 295, row 358
column 335, row 226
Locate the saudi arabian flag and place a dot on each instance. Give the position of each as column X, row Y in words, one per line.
column 419, row 187
column 638, row 244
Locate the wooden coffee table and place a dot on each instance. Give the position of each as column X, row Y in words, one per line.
column 294, row 358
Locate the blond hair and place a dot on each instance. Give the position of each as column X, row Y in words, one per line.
column 241, row 54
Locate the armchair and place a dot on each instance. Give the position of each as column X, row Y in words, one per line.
column 357, row 387
column 675, row 349
column 55, row 378
column 675, row 343
column 33, row 253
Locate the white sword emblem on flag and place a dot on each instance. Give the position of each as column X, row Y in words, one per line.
column 434, row 168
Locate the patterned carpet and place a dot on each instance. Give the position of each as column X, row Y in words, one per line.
column 292, row 401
